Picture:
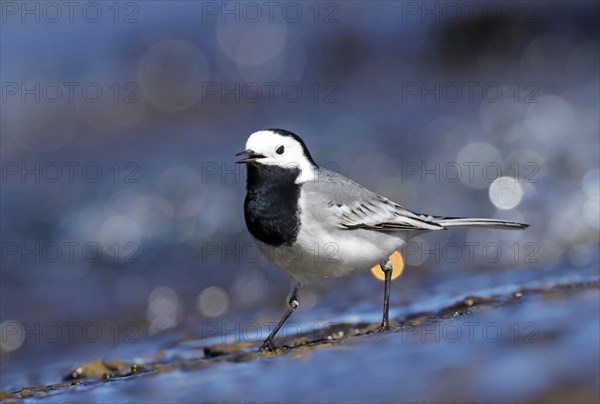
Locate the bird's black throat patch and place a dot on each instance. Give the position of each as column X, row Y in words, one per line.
column 271, row 208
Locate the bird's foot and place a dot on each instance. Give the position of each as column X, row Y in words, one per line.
column 267, row 346
column 382, row 328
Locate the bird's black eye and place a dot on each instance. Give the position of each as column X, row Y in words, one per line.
column 280, row 150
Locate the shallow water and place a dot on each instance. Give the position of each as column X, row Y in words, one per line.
column 536, row 339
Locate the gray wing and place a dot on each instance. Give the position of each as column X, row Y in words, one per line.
column 354, row 207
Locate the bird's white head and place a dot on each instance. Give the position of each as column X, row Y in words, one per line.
column 282, row 148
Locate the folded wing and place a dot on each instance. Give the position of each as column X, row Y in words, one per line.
column 352, row 206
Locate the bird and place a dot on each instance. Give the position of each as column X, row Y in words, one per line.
column 315, row 223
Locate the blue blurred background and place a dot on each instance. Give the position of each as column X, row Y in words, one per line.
column 121, row 202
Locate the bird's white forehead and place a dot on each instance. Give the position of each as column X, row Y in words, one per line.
column 266, row 139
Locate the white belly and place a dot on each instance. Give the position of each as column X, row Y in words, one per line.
column 319, row 254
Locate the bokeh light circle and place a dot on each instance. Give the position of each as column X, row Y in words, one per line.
column 12, row 335
column 481, row 164
column 213, row 302
column 251, row 43
column 506, row 193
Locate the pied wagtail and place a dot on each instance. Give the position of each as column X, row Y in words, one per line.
column 314, row 223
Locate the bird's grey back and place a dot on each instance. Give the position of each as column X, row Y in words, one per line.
column 335, row 198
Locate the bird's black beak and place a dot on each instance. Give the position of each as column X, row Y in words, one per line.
column 252, row 156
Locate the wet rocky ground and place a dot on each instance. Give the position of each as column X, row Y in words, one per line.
column 533, row 341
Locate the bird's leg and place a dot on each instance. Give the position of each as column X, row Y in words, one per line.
column 387, row 268
column 269, row 345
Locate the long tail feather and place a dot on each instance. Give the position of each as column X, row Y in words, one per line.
column 474, row 222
